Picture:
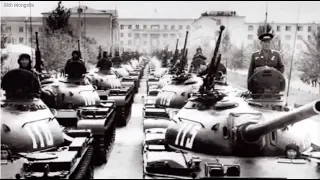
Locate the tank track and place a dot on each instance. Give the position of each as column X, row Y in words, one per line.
column 104, row 146
column 85, row 171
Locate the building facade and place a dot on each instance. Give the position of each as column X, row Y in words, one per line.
column 146, row 35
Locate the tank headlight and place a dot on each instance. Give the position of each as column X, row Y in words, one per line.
column 233, row 171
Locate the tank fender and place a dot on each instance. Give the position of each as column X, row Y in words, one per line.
column 97, row 125
column 120, row 100
column 66, row 113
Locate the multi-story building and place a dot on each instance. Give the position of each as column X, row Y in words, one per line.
column 101, row 25
column 147, row 35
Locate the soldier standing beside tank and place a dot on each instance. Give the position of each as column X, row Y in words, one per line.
column 266, row 56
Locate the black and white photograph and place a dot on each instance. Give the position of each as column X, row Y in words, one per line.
column 160, row 89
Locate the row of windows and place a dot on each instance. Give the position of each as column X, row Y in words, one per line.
column 173, row 27
column 146, row 35
column 137, row 42
column 287, row 37
column 21, row 40
column 287, row 28
column 21, row 29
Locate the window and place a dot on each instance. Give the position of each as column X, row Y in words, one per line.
column 155, row 26
column 299, row 37
column 309, row 37
column 180, row 27
column 218, row 22
column 81, row 23
column 165, row 27
column 129, row 42
column 172, row 27
column 288, row 28
column 288, row 37
column 20, row 39
column 165, row 35
column 278, row 28
column 130, row 27
column 250, row 37
column 8, row 29
column 21, row 29
column 145, row 35
column 309, row 28
column 144, row 26
column 172, row 35
column 188, row 27
column 121, row 26
column 137, row 35
column 122, row 34
column 145, row 43
column 250, row 28
column 121, row 42
column 129, row 34
column 137, row 26
column 300, row 28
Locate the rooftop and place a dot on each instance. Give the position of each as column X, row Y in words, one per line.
column 88, row 10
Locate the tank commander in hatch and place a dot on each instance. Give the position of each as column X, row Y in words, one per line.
column 75, row 57
column 266, row 56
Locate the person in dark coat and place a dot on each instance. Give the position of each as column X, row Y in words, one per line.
column 266, row 56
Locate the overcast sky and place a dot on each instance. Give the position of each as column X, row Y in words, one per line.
column 281, row 11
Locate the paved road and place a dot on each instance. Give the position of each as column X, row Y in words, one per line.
column 125, row 161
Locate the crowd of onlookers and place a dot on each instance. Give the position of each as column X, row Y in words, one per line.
column 313, row 80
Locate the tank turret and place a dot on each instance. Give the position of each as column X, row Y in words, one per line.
column 32, row 140
column 244, row 134
column 79, row 106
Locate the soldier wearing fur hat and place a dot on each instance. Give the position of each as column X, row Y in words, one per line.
column 266, row 56
column 25, row 62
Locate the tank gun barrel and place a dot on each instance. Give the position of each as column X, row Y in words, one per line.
column 253, row 132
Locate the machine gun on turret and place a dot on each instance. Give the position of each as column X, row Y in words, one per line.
column 39, row 63
column 110, row 54
column 175, row 57
column 207, row 94
column 100, row 53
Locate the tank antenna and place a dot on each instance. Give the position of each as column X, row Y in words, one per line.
column 30, row 18
column 293, row 51
column 265, row 23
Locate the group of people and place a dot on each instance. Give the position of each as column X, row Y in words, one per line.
column 265, row 57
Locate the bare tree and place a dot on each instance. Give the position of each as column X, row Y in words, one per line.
column 310, row 63
column 5, row 38
column 240, row 57
column 226, row 46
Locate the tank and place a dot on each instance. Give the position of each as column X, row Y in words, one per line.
column 33, row 144
column 109, row 87
column 174, row 90
column 79, row 106
column 247, row 137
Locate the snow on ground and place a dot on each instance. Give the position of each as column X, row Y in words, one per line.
column 294, row 84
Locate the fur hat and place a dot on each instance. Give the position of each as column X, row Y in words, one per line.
column 265, row 34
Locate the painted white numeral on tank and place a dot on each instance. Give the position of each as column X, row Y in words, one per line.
column 179, row 133
column 189, row 129
column 36, row 131
column 88, row 98
column 165, row 98
column 194, row 131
